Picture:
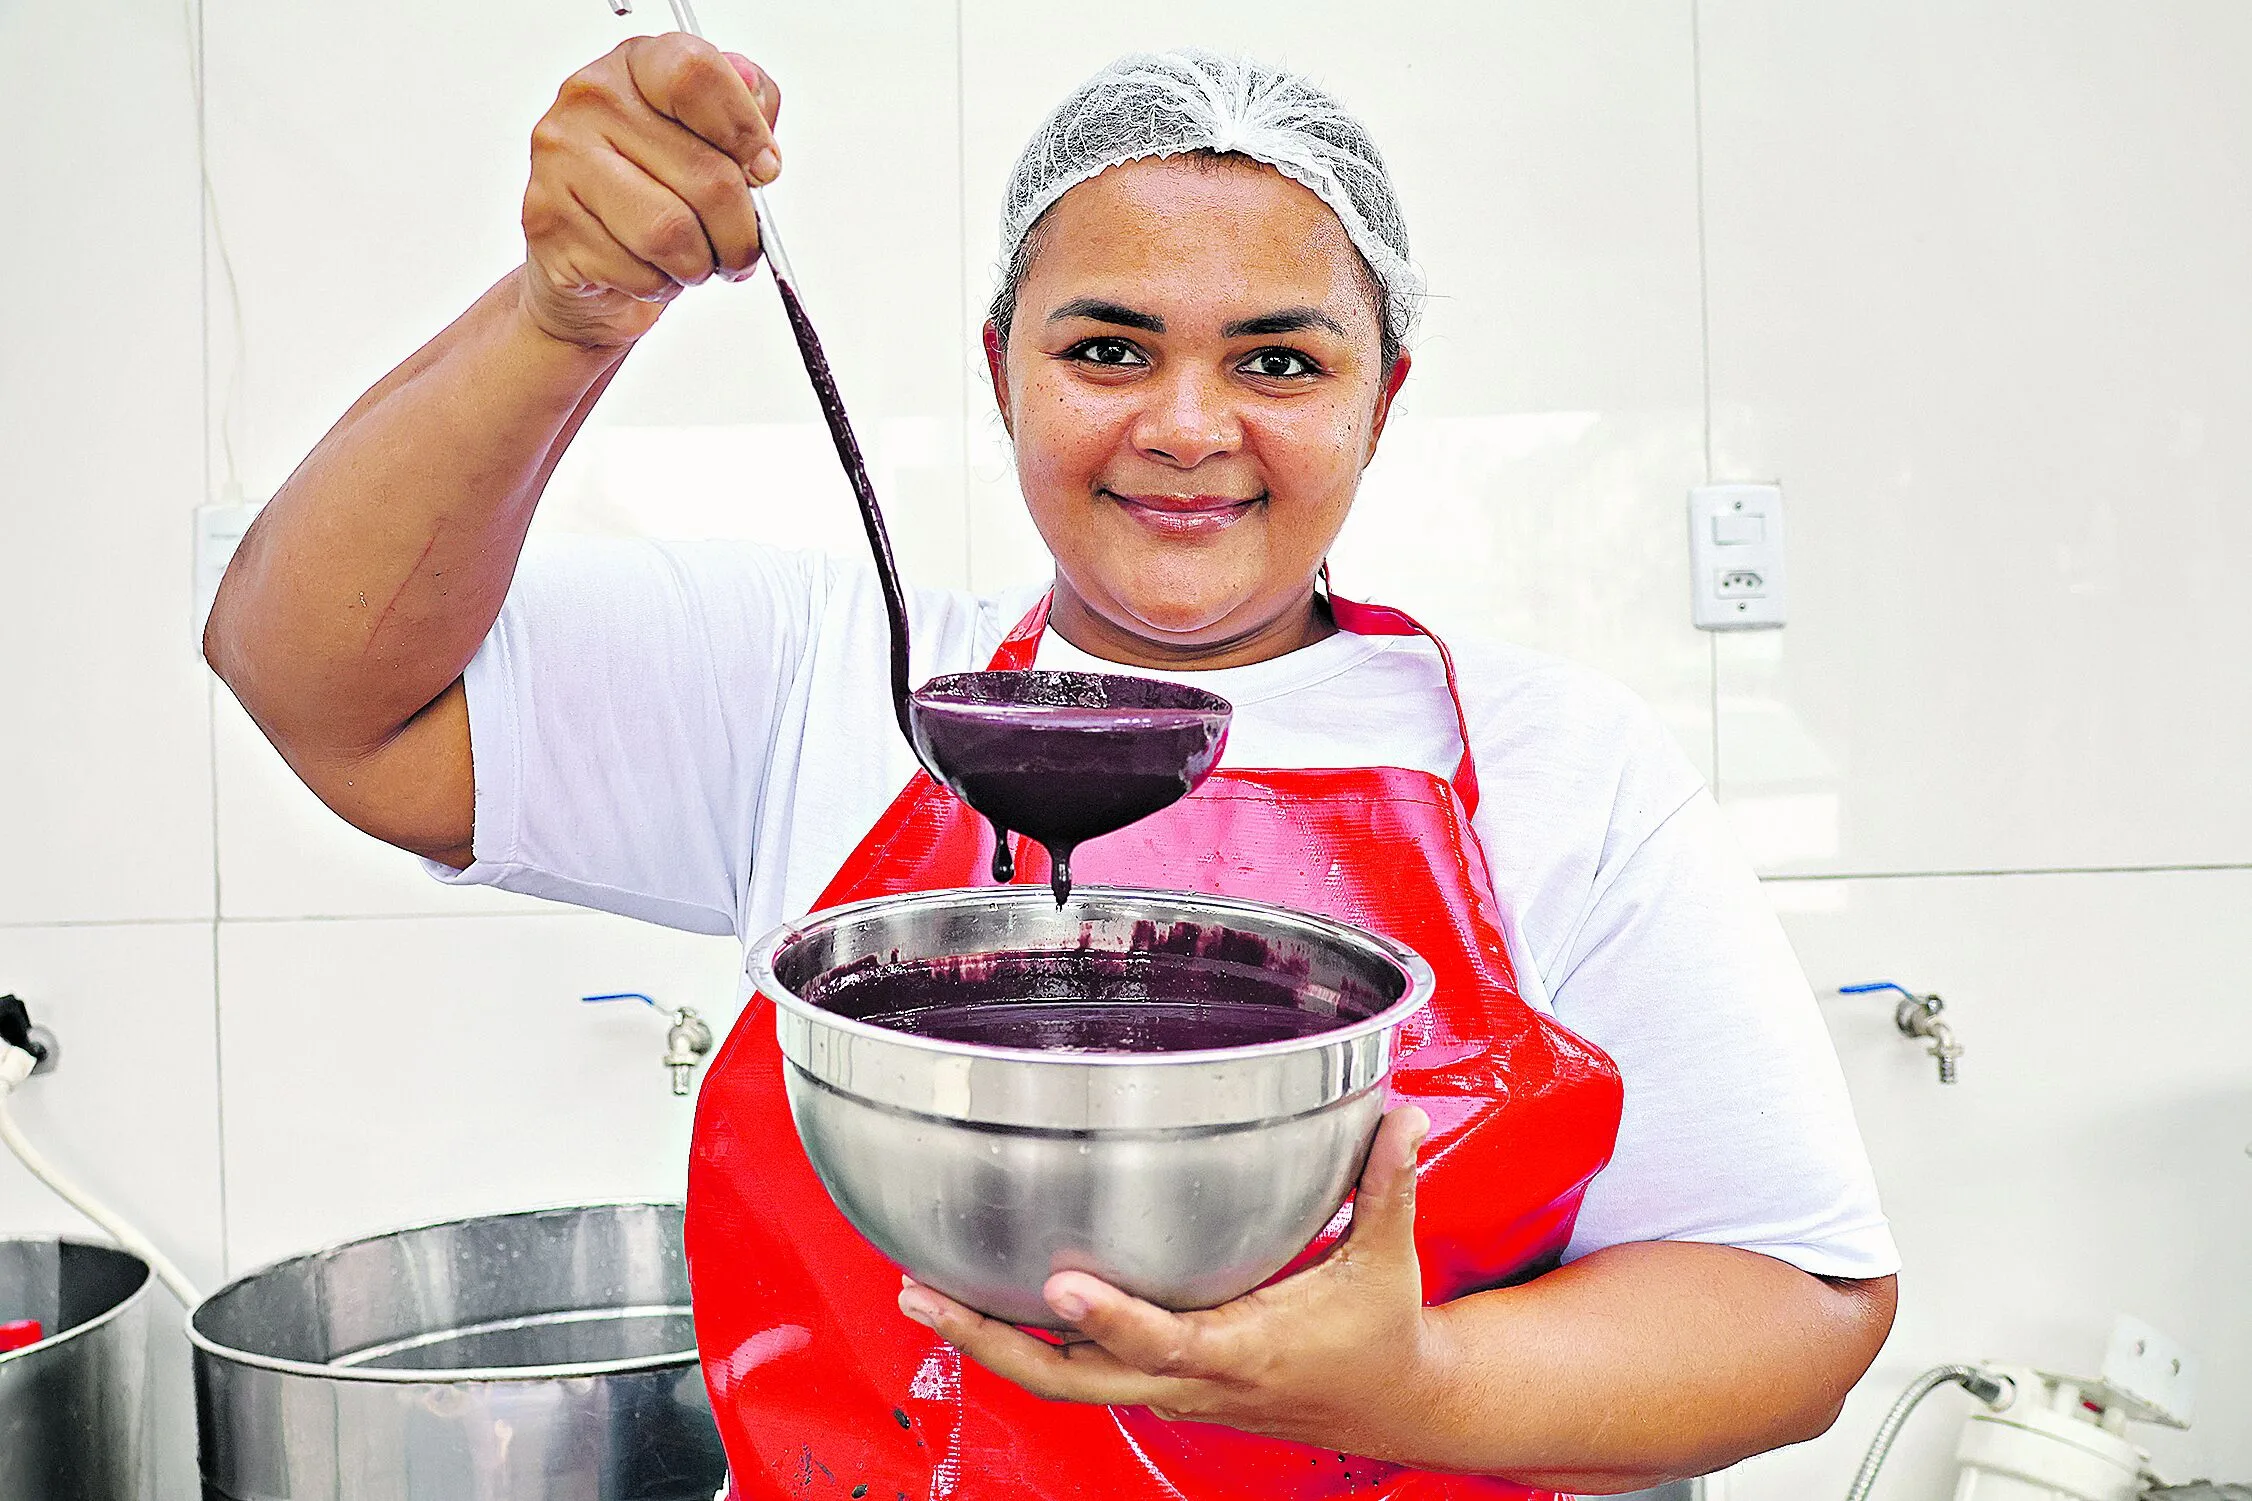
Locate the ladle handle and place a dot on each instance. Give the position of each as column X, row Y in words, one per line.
column 832, row 411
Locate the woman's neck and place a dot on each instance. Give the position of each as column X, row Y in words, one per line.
column 1303, row 624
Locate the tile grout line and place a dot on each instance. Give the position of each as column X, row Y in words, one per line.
column 565, row 913
column 1704, row 267
column 962, row 279
column 211, row 686
column 1704, row 349
column 2185, row 868
column 269, row 918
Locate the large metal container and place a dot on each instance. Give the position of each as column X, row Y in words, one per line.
column 74, row 1422
column 1186, row 1177
column 546, row 1355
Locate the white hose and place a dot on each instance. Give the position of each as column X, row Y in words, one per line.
column 1986, row 1388
column 15, row 1067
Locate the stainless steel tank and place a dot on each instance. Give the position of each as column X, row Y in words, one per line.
column 74, row 1419
column 546, row 1354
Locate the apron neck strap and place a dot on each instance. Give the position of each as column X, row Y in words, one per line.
column 1021, row 647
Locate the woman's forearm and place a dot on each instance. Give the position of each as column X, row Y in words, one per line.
column 1636, row 1364
column 367, row 583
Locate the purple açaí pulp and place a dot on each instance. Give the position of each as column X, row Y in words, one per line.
column 1066, row 756
column 1151, row 998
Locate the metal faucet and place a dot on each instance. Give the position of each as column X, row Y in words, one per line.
column 689, row 1039
column 1918, row 1016
column 686, row 1041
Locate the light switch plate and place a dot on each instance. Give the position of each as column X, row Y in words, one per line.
column 1736, row 557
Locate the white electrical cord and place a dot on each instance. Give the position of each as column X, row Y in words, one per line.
column 15, row 1067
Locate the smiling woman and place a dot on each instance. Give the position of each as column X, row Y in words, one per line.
column 1190, row 440
column 1620, row 1227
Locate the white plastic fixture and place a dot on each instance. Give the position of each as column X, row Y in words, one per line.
column 2148, row 1374
column 218, row 532
column 2063, row 1438
column 2045, row 1444
column 1736, row 557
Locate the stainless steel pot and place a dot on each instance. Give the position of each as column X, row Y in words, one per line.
column 546, row 1354
column 74, row 1420
column 1184, row 1177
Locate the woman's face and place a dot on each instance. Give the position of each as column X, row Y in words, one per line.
column 1193, row 382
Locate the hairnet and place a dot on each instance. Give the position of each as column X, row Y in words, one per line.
column 1155, row 104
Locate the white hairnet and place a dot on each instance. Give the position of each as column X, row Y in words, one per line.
column 1151, row 104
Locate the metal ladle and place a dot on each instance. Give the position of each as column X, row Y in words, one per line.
column 1060, row 756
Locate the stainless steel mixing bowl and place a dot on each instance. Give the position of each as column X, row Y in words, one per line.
column 1187, row 1178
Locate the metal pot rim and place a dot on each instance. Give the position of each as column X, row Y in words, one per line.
column 204, row 1345
column 1421, row 982
column 114, row 1311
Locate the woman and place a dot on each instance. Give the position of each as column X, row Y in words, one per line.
column 1201, row 327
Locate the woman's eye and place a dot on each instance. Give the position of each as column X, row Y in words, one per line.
column 1278, row 364
column 1113, row 352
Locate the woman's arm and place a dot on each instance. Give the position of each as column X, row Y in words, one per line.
column 354, row 603
column 1631, row 1366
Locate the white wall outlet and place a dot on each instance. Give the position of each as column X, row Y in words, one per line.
column 218, row 531
column 1736, row 557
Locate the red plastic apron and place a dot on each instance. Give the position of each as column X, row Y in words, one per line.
column 821, row 1386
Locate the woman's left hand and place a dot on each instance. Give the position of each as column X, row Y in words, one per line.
column 1338, row 1355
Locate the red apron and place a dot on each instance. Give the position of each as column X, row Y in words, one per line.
column 820, row 1385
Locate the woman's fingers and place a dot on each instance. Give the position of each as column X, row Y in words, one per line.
column 693, row 82
column 1143, row 1335
column 650, row 152
column 646, row 217
column 1384, row 1204
column 702, row 177
column 1080, row 1372
column 762, row 84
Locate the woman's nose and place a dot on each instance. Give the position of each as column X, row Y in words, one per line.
column 1189, row 418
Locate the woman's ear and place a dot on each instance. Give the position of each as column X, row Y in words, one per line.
column 997, row 367
column 1394, row 378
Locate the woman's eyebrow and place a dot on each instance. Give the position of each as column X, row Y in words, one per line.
column 1288, row 321
column 1108, row 312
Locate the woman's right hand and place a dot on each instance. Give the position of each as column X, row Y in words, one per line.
column 641, row 178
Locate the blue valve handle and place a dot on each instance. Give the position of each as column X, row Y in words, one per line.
column 622, row 995
column 1876, row 985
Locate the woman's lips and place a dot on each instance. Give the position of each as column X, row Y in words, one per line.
column 1185, row 515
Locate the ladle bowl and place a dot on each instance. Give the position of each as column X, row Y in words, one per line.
column 1187, row 1176
column 1066, row 756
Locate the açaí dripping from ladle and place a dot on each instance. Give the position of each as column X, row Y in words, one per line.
column 1060, row 757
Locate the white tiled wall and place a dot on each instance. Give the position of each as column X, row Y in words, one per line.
column 104, row 715
column 2092, row 1159
column 1977, row 298
column 1966, row 277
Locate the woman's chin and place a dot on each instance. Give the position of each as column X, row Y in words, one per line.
column 1168, row 606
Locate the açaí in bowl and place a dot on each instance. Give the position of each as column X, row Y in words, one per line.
column 1172, row 1092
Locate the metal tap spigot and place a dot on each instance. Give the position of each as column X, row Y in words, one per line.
column 688, row 1040
column 1918, row 1016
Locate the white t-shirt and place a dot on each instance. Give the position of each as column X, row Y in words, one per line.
column 699, row 734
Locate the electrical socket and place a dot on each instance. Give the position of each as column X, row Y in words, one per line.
column 1736, row 557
